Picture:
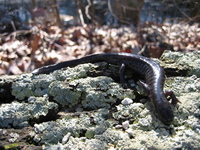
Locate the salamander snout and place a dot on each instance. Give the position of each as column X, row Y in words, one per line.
column 164, row 113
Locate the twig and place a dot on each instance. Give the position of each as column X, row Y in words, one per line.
column 181, row 10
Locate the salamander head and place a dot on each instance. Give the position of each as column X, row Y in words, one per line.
column 164, row 112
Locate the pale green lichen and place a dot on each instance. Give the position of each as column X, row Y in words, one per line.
column 23, row 87
column 189, row 107
column 191, row 61
column 68, row 90
column 53, row 131
column 171, row 57
column 79, row 71
column 63, row 94
column 93, row 93
column 79, row 143
column 114, row 137
column 130, row 111
column 89, row 134
column 28, row 85
column 18, row 114
column 184, row 84
column 96, row 129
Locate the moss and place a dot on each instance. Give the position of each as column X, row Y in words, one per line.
column 89, row 134
column 11, row 146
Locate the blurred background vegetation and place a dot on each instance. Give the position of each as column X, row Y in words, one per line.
column 21, row 14
column 34, row 33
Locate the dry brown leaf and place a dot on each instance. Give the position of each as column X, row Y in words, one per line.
column 13, row 68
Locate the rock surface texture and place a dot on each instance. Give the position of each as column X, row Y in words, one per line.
column 84, row 108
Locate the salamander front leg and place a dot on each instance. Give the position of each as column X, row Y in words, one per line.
column 145, row 87
column 172, row 97
column 121, row 75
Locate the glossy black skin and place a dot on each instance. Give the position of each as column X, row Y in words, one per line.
column 152, row 72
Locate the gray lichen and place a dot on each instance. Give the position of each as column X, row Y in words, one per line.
column 79, row 143
column 102, row 121
column 68, row 90
column 184, row 84
column 18, row 114
column 145, row 131
column 181, row 61
column 77, row 72
column 28, row 85
column 91, row 92
column 54, row 131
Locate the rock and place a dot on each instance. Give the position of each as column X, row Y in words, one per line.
column 103, row 120
column 127, row 101
column 125, row 124
column 14, row 137
column 86, row 94
column 5, row 87
column 177, row 63
column 68, row 90
column 18, row 114
column 66, row 138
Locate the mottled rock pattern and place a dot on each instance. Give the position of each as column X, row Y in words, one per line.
column 18, row 114
column 97, row 113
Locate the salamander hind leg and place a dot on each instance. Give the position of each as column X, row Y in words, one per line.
column 172, row 97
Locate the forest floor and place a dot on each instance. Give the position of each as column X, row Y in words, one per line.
column 24, row 50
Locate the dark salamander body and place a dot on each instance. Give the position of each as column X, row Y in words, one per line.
column 152, row 72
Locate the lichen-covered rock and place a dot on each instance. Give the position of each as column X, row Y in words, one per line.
column 64, row 94
column 115, row 137
column 18, row 114
column 77, row 72
column 54, row 131
column 184, row 84
column 182, row 62
column 130, row 112
column 6, row 82
column 68, row 90
column 145, row 131
column 79, row 143
column 28, row 85
column 93, row 93
column 122, row 123
column 188, row 89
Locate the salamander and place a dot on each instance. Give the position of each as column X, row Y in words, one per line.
column 149, row 69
